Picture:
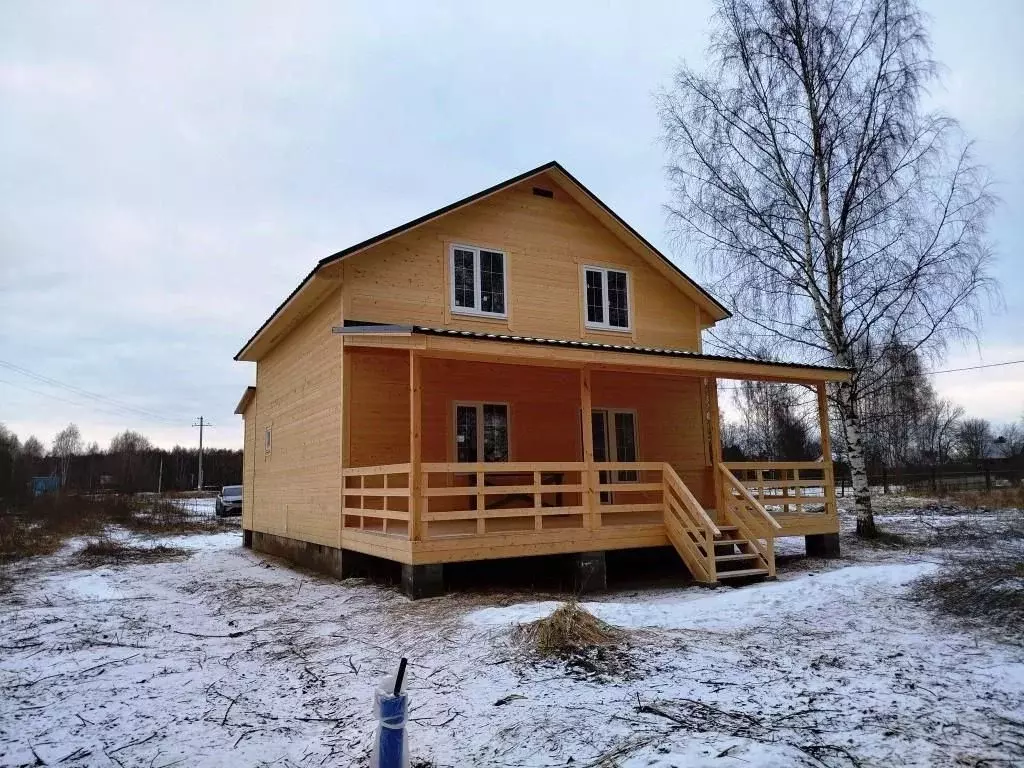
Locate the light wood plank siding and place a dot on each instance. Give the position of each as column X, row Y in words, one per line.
column 544, row 422
column 546, row 242
column 248, row 467
column 379, row 419
column 297, row 486
column 668, row 414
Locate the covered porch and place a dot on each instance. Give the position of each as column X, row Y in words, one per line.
column 461, row 447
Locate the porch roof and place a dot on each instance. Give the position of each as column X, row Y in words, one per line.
column 247, row 398
column 529, row 350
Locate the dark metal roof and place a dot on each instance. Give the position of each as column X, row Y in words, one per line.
column 357, row 328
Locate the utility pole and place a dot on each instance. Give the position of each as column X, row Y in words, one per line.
column 160, row 478
column 202, row 425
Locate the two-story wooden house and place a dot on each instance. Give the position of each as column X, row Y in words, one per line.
column 519, row 373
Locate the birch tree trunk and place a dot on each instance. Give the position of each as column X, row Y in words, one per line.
column 858, row 466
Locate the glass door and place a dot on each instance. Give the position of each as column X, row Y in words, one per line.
column 614, row 434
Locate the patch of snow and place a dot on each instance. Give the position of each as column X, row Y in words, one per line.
column 727, row 607
column 231, row 658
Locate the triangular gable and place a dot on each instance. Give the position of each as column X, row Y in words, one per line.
column 294, row 304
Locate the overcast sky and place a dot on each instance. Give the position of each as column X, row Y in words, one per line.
column 169, row 171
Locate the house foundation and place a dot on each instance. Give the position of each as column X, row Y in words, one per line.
column 822, row 545
column 423, row 580
column 589, row 572
column 316, row 557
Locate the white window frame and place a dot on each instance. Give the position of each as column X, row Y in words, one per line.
column 606, row 326
column 479, row 406
column 477, row 291
column 619, row 475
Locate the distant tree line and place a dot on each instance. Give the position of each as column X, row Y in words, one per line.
column 130, row 464
column 911, row 435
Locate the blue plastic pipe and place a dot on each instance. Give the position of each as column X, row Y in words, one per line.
column 392, row 732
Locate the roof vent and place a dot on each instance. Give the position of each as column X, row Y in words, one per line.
column 541, row 192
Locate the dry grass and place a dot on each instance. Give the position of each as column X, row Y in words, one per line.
column 106, row 551
column 997, row 498
column 569, row 630
column 986, row 591
column 42, row 527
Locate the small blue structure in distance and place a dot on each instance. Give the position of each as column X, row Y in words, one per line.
column 47, row 484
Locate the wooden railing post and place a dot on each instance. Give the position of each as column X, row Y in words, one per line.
column 827, row 476
column 415, row 446
column 715, row 437
column 591, row 519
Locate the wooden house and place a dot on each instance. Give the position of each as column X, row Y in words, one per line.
column 519, row 373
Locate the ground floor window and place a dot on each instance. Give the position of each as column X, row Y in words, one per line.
column 481, row 432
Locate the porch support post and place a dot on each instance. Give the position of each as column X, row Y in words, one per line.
column 344, row 457
column 827, row 473
column 589, row 475
column 715, row 437
column 415, row 445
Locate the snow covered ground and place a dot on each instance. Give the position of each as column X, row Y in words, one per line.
column 232, row 658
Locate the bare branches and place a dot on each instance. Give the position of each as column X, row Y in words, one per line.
column 830, row 210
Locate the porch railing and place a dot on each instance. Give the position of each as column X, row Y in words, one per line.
column 805, row 487
column 511, row 499
column 377, row 499
column 752, row 521
column 690, row 529
column 462, row 499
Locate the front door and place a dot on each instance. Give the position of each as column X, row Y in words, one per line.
column 614, row 433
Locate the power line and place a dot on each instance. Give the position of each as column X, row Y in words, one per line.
column 82, row 393
column 969, row 368
column 97, row 408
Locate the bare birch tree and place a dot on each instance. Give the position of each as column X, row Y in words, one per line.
column 66, row 445
column 835, row 215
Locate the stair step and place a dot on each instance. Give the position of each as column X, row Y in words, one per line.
column 725, row 528
column 731, row 558
column 746, row 572
column 730, row 542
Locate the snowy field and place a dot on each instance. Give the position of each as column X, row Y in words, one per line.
column 229, row 658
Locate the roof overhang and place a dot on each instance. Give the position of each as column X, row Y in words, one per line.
column 521, row 350
column 269, row 333
column 313, row 289
column 247, row 397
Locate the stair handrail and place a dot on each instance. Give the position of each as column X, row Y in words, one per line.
column 748, row 497
column 694, row 506
column 687, row 512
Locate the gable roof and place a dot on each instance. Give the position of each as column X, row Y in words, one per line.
column 576, row 189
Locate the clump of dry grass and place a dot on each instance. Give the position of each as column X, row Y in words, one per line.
column 107, row 551
column 985, row 591
column 569, row 630
column 19, row 540
column 997, row 498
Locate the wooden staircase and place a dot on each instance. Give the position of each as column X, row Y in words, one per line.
column 737, row 560
column 739, row 550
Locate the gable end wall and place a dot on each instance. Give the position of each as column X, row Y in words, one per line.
column 546, row 242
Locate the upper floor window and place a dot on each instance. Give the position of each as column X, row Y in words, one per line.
column 478, row 281
column 607, row 298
